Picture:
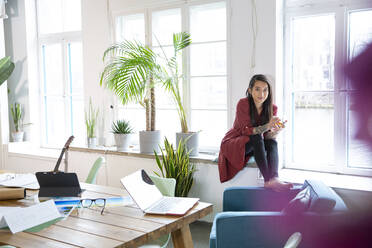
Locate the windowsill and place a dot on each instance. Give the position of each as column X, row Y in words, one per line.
column 333, row 180
column 201, row 158
column 27, row 149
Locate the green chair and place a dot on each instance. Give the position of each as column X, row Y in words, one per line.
column 167, row 187
column 92, row 176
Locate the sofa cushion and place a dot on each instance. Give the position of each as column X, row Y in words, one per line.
column 300, row 203
column 323, row 198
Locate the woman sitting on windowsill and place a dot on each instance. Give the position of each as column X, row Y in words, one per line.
column 255, row 128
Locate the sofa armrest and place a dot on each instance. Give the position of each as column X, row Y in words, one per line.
column 256, row 199
column 248, row 229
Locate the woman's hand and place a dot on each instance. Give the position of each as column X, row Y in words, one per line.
column 273, row 122
column 278, row 125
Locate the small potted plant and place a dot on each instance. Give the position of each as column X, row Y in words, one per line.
column 122, row 133
column 91, row 117
column 16, row 111
column 176, row 164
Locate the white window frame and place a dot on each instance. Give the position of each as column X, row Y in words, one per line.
column 63, row 38
column 341, row 91
column 185, row 26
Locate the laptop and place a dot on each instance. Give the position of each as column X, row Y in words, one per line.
column 150, row 200
column 58, row 184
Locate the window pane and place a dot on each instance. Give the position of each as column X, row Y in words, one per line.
column 212, row 125
column 165, row 53
column 131, row 27
column 168, row 122
column 77, row 121
column 71, row 15
column 163, row 98
column 49, row 14
column 313, row 129
column 136, row 116
column 164, row 24
column 360, row 156
column 313, row 52
column 75, row 55
column 208, row 93
column 55, row 16
column 360, row 26
column 52, row 69
column 208, row 22
column 360, row 34
column 208, row 59
column 55, row 121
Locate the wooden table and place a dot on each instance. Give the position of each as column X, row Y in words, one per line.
column 122, row 226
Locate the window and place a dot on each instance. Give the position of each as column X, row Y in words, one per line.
column 61, row 78
column 204, row 87
column 320, row 133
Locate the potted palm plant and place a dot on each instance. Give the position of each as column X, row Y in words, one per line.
column 91, row 117
column 129, row 73
column 122, row 132
column 171, row 78
column 17, row 114
column 6, row 69
column 176, row 164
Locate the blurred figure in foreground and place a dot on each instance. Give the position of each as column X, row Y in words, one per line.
column 355, row 228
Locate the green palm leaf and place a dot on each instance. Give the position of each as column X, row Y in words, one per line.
column 181, row 40
column 129, row 66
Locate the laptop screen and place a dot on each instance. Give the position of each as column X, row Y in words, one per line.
column 141, row 188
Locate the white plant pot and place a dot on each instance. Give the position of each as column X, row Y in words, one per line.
column 17, row 136
column 122, row 141
column 92, row 142
column 192, row 142
column 149, row 141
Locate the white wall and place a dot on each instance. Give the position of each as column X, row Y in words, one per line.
column 3, row 107
column 16, row 47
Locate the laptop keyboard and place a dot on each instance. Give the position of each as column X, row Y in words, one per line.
column 165, row 204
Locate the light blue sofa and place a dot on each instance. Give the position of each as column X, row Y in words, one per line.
column 253, row 217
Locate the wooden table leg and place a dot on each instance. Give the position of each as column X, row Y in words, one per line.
column 182, row 238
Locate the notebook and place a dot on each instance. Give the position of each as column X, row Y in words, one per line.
column 148, row 197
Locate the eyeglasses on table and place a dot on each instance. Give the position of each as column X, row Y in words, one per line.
column 98, row 202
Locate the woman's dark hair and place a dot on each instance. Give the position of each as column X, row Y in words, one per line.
column 267, row 106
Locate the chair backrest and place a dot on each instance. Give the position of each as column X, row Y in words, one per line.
column 92, row 176
column 167, row 186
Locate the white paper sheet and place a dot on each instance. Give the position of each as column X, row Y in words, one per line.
column 27, row 181
column 24, row 218
column 4, row 210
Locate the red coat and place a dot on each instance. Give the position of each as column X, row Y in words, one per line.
column 232, row 151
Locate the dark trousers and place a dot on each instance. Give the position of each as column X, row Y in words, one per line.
column 265, row 152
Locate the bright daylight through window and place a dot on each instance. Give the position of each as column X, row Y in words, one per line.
column 61, row 79
column 204, row 64
column 321, row 118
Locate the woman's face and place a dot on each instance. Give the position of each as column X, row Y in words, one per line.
column 259, row 92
